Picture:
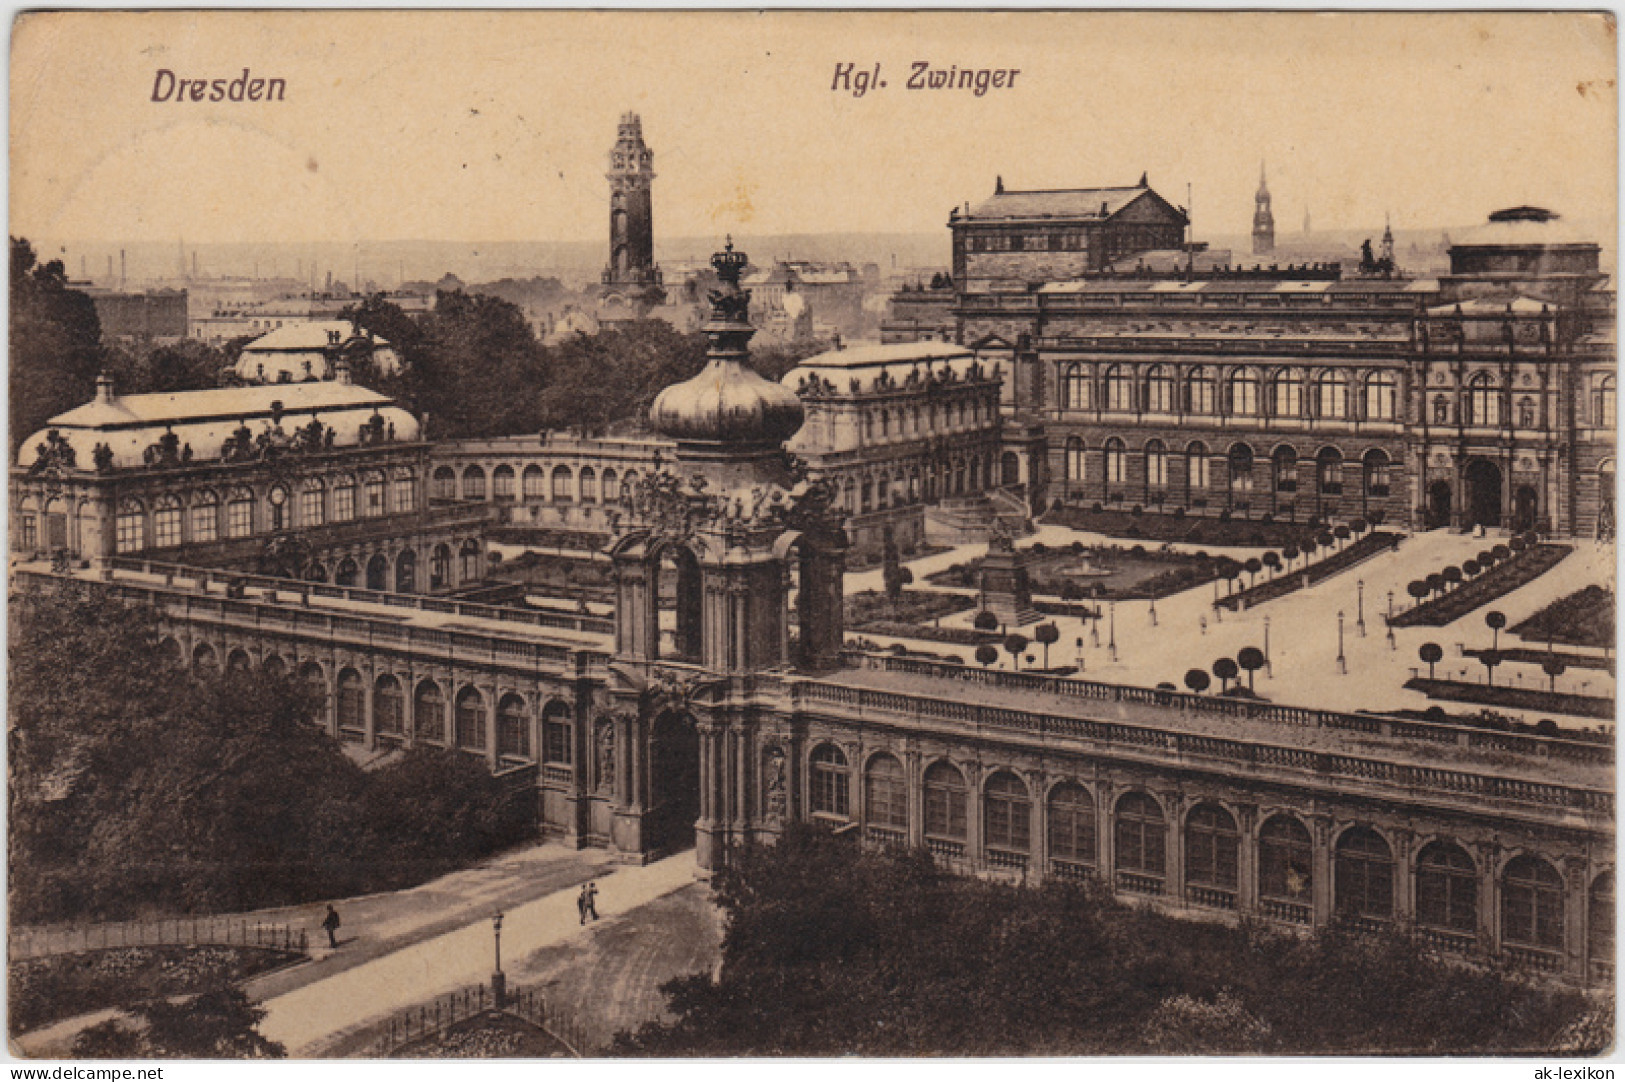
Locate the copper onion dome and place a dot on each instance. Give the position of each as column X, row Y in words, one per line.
column 727, row 405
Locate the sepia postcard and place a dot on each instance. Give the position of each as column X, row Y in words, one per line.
column 589, row 534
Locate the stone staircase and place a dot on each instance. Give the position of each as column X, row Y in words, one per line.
column 965, row 520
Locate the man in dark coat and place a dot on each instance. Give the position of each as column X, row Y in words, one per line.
column 331, row 924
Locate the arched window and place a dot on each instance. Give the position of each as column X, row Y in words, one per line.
column 1532, row 904
column 1159, row 390
column 534, row 483
column 502, row 482
column 373, row 494
column 589, row 485
column 1376, row 473
column 238, row 661
column 1364, row 879
column 347, row 574
column 240, row 513
column 885, row 793
column 205, row 517
column 1075, row 388
column 352, row 702
column 1483, row 400
column 1600, row 919
column 1331, row 396
column 1075, row 471
column 868, row 491
column 378, row 573
column 1285, row 869
column 388, row 707
column 203, row 659
column 473, row 483
column 1119, row 389
column 1156, row 465
column 273, row 666
column 1007, row 814
column 831, row 787
column 131, row 526
column 1071, row 818
column 1211, row 845
column 1381, row 397
column 406, row 573
column 311, row 675
column 312, row 503
column 885, row 423
column 1329, row 466
column 1141, row 839
column 1604, row 403
column 1285, row 464
column 1241, row 469
column 563, row 489
column 344, row 499
column 513, row 728
column 1447, row 888
column 1244, row 393
column 440, row 568
column 558, row 728
column 166, row 522
column 429, row 712
column 945, row 801
column 610, row 488
column 469, row 561
column 1286, row 393
column 470, row 720
column 445, row 483
column 1196, row 469
column 629, row 484
column 1116, row 462
column 1199, row 391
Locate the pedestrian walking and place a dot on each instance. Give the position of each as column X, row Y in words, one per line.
column 592, row 901
column 331, row 924
column 581, row 904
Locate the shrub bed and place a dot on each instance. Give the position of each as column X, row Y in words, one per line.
column 1319, row 571
column 47, row 990
column 912, row 606
column 492, row 1035
column 1461, row 691
column 1192, row 529
column 539, row 537
column 1583, row 618
column 1497, row 582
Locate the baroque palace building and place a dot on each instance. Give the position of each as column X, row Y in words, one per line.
column 1485, row 397
column 717, row 711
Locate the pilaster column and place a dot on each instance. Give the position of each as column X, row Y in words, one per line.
column 1404, row 877
column 975, row 858
column 1105, row 835
column 1247, row 859
column 1488, row 855
column 491, row 727
column 368, row 720
column 1174, row 855
column 914, row 773
column 1320, row 827
column 1573, row 870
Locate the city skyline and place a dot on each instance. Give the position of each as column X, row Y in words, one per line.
column 494, row 126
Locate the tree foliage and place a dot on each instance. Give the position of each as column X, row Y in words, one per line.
column 833, row 950
column 55, row 343
column 218, row 1024
column 138, row 787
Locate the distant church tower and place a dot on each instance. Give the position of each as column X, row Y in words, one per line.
column 1387, row 241
column 1263, row 219
column 631, row 280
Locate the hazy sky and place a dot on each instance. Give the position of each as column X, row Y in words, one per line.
column 497, row 125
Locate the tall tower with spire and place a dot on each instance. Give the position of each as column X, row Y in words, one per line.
column 631, row 278
column 1387, row 240
column 1263, row 217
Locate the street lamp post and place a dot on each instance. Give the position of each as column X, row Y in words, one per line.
column 499, row 979
column 1112, row 645
column 1359, row 623
column 1153, row 612
column 1342, row 661
column 1080, row 653
column 1269, row 666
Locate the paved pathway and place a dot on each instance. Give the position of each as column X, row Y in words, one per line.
column 308, row 1018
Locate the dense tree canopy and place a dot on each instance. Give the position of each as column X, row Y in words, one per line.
column 135, row 787
column 55, row 342
column 831, row 950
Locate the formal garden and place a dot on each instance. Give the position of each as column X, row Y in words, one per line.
column 1583, row 618
column 1449, row 593
column 1110, row 572
column 1223, row 530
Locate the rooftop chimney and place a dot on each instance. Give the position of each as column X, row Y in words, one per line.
column 104, row 388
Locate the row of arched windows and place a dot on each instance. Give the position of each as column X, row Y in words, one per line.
column 938, row 479
column 1243, row 392
column 1446, row 878
column 1156, row 474
column 348, row 570
column 535, row 483
column 207, row 515
column 931, row 419
column 425, row 717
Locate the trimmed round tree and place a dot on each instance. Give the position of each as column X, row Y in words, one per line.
column 1490, row 659
column 1047, row 634
column 1197, row 680
column 1253, row 566
column 1495, row 620
column 1015, row 646
column 1432, row 654
column 1554, row 667
column 987, row 654
column 1417, row 589
column 1452, row 575
column 1250, row 658
column 1225, row 669
column 986, row 621
column 1272, row 560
